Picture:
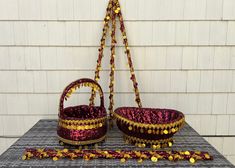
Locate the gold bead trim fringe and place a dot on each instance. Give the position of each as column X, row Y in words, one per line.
column 155, row 144
column 150, row 126
column 85, row 84
column 67, row 141
column 81, row 127
column 88, row 121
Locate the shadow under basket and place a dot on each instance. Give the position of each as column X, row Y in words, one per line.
column 82, row 124
column 149, row 127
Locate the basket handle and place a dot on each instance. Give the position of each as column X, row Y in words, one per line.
column 76, row 85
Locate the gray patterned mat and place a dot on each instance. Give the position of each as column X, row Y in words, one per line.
column 43, row 134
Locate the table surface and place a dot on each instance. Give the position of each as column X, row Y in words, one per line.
column 43, row 134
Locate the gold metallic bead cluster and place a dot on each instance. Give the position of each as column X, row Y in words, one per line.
column 83, row 122
column 154, row 144
column 85, row 84
column 150, row 128
column 81, row 127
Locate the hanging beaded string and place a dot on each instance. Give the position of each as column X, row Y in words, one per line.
column 127, row 51
column 112, row 60
column 113, row 11
column 101, row 49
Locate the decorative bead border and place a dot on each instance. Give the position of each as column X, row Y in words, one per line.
column 85, row 84
column 142, row 143
column 86, row 121
column 167, row 128
column 123, row 155
column 81, row 127
column 71, row 142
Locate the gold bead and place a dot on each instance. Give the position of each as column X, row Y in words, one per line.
column 187, row 153
column 154, row 159
column 173, row 130
column 192, row 160
column 165, row 131
column 24, row 157
column 106, row 152
column 127, row 156
column 140, row 160
column 149, row 131
column 207, row 156
column 116, row 11
column 107, row 17
column 170, row 158
column 158, row 146
column 169, row 144
column 55, row 158
column 65, row 150
column 141, row 130
column 154, row 146
column 130, row 128
column 100, row 124
column 143, row 145
column 123, row 160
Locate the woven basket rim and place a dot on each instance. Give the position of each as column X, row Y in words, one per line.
column 118, row 114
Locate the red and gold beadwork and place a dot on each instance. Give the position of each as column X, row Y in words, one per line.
column 82, row 124
column 151, row 127
column 123, row 155
column 113, row 12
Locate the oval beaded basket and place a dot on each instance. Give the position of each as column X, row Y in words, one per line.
column 148, row 126
column 82, row 124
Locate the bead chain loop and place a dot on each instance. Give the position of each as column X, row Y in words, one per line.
column 114, row 11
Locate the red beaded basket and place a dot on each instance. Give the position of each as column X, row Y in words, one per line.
column 147, row 126
column 83, row 124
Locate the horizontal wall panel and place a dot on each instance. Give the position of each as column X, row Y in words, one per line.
column 88, row 33
column 144, row 58
column 132, row 9
column 149, row 81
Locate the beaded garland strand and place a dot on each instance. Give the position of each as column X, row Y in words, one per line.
column 114, row 11
column 123, row 155
column 112, row 60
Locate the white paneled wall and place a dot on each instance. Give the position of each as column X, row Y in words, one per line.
column 183, row 52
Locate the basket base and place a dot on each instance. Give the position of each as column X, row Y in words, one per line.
column 155, row 144
column 71, row 142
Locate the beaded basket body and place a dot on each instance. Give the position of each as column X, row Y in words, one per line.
column 82, row 124
column 148, row 126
